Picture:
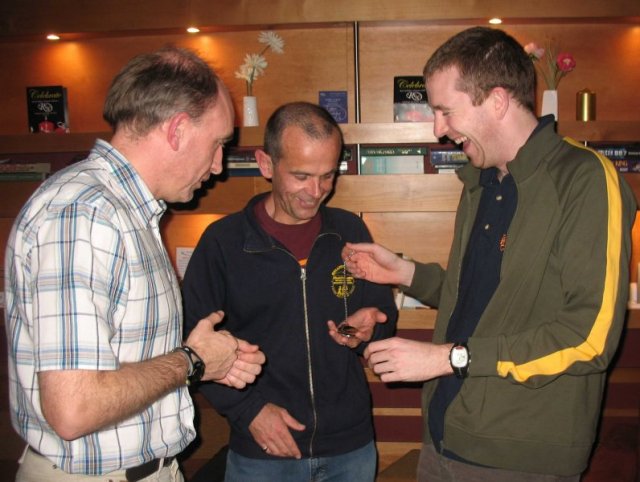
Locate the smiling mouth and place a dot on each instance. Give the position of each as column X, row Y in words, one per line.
column 461, row 140
column 308, row 204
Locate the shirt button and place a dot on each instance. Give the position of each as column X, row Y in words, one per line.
column 486, row 227
column 499, row 197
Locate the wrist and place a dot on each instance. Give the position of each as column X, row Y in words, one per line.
column 195, row 364
column 407, row 270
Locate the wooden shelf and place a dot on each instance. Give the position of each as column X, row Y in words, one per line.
column 42, row 143
column 365, row 133
column 614, row 131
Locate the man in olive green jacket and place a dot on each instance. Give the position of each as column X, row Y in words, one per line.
column 533, row 301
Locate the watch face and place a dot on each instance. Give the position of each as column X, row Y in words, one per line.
column 459, row 357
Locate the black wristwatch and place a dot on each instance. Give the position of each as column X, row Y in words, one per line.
column 196, row 365
column 459, row 357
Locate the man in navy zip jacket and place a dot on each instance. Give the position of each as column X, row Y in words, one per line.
column 275, row 268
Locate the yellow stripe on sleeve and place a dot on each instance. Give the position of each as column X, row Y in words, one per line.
column 594, row 345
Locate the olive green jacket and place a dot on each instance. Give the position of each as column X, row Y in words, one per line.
column 541, row 349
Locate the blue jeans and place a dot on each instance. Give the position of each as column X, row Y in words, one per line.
column 356, row 466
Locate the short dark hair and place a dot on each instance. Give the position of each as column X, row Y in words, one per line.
column 154, row 86
column 314, row 120
column 487, row 58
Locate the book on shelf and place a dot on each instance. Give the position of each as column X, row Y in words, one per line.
column 241, row 161
column 618, row 150
column 47, row 109
column 394, row 159
column 335, row 102
column 447, row 160
column 625, row 156
column 626, row 165
column 410, row 100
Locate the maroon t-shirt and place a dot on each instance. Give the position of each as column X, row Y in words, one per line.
column 297, row 238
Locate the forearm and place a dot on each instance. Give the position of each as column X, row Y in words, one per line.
column 79, row 402
column 426, row 283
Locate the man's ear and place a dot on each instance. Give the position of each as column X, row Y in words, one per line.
column 265, row 164
column 176, row 127
column 501, row 100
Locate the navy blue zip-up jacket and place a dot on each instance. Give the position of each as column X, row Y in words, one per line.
column 270, row 300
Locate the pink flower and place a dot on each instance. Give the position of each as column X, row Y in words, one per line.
column 534, row 51
column 551, row 67
column 565, row 62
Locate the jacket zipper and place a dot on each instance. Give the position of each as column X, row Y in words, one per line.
column 303, row 278
column 307, row 333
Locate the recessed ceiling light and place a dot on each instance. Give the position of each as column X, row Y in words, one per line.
column 193, row 30
column 53, row 36
column 495, row 21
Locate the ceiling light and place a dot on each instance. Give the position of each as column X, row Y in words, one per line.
column 495, row 21
column 193, row 30
column 53, row 36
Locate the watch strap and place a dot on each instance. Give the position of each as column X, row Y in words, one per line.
column 196, row 364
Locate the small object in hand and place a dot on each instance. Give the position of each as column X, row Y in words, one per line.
column 346, row 330
column 265, row 449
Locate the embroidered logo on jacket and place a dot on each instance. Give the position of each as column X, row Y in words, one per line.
column 341, row 285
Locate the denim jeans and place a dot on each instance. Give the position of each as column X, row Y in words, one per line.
column 356, row 466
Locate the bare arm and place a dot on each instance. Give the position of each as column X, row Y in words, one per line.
column 79, row 402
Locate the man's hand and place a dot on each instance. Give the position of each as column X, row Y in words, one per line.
column 401, row 360
column 271, row 431
column 246, row 368
column 377, row 264
column 228, row 360
column 364, row 321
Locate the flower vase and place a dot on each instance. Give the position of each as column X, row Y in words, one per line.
column 550, row 103
column 250, row 111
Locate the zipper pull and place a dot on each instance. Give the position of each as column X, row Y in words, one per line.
column 303, row 273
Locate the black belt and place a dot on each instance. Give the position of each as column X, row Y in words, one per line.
column 136, row 473
column 145, row 470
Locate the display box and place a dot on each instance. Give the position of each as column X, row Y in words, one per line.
column 410, row 100
column 47, row 109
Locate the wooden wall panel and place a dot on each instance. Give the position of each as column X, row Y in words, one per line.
column 14, row 195
column 397, row 193
column 386, row 51
column 87, row 67
column 5, row 230
column 421, row 236
column 385, row 54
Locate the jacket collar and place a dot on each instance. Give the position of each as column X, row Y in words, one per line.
column 256, row 239
column 542, row 142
